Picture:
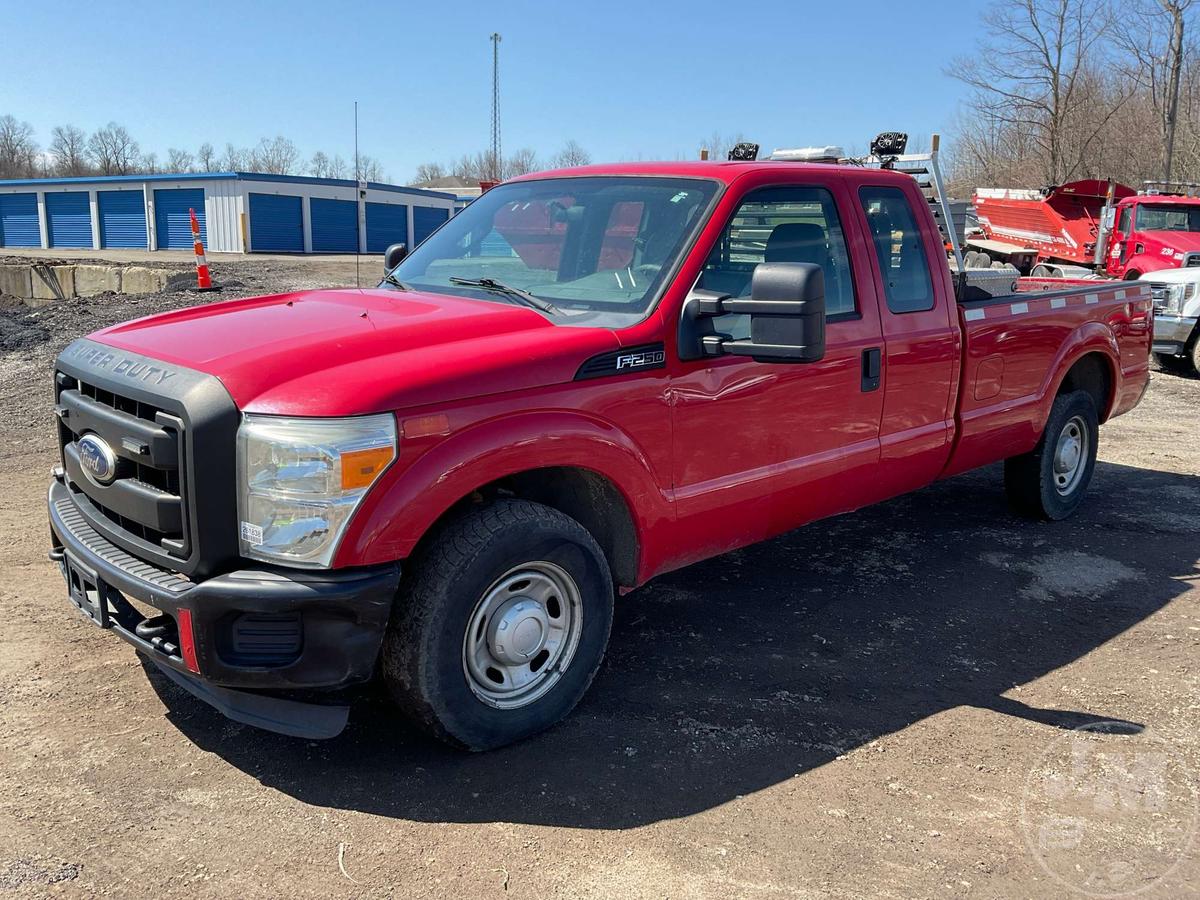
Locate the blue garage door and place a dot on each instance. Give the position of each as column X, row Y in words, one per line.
column 387, row 223
column 69, row 219
column 122, row 219
column 19, row 221
column 172, row 224
column 427, row 220
column 334, row 225
column 276, row 224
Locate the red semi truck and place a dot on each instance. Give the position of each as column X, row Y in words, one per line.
column 1088, row 224
column 585, row 379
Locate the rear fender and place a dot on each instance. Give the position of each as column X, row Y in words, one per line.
column 402, row 508
column 1090, row 337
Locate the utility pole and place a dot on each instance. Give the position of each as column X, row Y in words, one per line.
column 1175, row 53
column 497, row 165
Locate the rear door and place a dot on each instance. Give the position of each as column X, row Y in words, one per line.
column 764, row 447
column 921, row 336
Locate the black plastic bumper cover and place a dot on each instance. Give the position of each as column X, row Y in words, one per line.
column 343, row 615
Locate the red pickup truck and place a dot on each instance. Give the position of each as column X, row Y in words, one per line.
column 583, row 380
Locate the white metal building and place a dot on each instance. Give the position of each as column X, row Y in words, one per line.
column 239, row 212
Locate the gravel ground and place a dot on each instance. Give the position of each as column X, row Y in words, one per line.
column 883, row 704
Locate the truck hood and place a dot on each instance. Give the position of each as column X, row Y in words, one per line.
column 350, row 352
column 1186, row 241
column 1173, row 276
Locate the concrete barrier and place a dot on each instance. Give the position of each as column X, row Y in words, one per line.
column 91, row 280
column 39, row 284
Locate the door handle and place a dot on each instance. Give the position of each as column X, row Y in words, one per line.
column 871, row 363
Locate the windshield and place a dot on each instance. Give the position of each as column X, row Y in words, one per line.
column 597, row 249
column 1173, row 217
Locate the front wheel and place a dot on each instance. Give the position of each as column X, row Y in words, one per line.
column 1049, row 481
column 501, row 627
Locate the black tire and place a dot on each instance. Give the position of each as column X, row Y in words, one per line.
column 1176, row 365
column 1031, row 481
column 1194, row 355
column 424, row 653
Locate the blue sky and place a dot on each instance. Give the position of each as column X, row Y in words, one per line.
column 646, row 80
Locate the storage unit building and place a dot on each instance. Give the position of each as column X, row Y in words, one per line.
column 239, row 212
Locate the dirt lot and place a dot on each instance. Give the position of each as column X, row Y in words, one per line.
column 878, row 705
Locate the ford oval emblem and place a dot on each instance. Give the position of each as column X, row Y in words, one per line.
column 97, row 458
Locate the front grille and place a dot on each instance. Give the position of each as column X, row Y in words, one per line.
column 145, row 503
column 1192, row 259
column 1160, row 294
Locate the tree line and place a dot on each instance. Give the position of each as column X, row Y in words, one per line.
column 484, row 165
column 1069, row 89
column 112, row 150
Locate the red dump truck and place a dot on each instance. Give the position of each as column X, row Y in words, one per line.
column 585, row 379
column 1088, row 225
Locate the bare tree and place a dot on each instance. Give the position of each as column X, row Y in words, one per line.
column 113, row 150
column 572, row 154
column 206, row 158
column 1151, row 33
column 338, row 167
column 275, row 156
column 179, row 160
column 68, row 149
column 148, row 163
column 318, row 166
column 1039, row 70
column 18, row 149
column 234, row 159
column 370, row 169
column 718, row 145
column 522, row 162
column 428, row 172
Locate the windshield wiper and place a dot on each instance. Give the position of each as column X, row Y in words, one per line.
column 491, row 284
column 392, row 279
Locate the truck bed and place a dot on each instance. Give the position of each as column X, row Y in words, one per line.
column 1019, row 347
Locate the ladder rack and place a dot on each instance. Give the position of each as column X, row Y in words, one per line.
column 928, row 174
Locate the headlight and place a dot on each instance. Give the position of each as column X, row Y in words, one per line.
column 300, row 480
column 1177, row 296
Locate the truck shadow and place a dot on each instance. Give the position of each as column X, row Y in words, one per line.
column 744, row 671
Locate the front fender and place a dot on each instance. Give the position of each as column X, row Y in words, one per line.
column 400, row 510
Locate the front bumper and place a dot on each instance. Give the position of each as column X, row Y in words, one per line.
column 253, row 630
column 1172, row 333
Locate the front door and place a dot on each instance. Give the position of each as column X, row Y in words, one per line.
column 761, row 448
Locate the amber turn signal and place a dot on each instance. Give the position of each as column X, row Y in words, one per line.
column 361, row 467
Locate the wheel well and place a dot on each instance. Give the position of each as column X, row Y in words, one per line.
column 1090, row 373
column 1133, row 275
column 586, row 496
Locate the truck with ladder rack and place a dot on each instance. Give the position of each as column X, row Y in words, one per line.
column 585, row 379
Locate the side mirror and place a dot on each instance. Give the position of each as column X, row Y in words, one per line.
column 393, row 256
column 787, row 317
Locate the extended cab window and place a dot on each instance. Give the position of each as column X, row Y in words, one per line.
column 900, row 249
column 598, row 248
column 792, row 224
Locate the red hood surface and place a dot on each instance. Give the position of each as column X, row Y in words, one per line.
column 349, row 352
column 1187, row 241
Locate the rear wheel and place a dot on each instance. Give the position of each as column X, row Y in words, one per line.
column 501, row 627
column 1049, row 482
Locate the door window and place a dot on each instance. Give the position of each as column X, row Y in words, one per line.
column 900, row 249
column 782, row 224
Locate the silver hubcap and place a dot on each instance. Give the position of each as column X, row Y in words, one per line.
column 1070, row 455
column 522, row 635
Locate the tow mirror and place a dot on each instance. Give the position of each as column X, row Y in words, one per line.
column 786, row 307
column 393, row 256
